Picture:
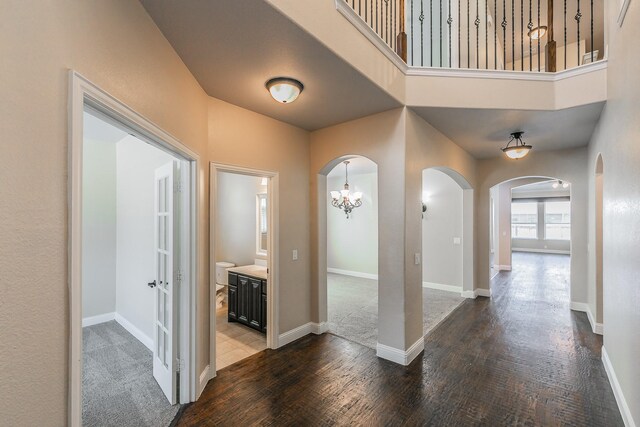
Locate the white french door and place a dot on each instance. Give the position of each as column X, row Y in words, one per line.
column 165, row 319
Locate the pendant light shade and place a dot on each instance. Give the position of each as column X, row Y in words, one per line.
column 519, row 149
column 284, row 89
column 537, row 33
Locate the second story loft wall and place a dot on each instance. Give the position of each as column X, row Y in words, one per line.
column 616, row 140
column 41, row 42
column 243, row 138
column 346, row 34
column 568, row 165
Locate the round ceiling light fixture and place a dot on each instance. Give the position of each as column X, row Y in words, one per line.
column 519, row 149
column 537, row 33
column 285, row 90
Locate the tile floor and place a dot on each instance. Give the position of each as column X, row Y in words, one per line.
column 234, row 341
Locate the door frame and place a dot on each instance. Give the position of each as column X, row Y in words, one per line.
column 83, row 93
column 273, row 314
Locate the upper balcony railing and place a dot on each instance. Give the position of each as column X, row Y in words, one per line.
column 514, row 35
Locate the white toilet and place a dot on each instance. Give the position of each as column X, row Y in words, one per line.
column 222, row 280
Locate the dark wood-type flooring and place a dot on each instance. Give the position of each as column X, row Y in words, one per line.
column 521, row 358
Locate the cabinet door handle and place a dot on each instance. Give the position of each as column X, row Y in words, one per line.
column 152, row 284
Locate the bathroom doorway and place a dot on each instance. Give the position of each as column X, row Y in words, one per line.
column 243, row 253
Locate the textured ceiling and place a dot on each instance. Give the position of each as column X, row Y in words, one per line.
column 233, row 47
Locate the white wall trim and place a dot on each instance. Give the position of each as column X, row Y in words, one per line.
column 204, row 379
column 597, row 328
column 83, row 93
column 542, row 251
column 506, row 74
column 401, row 357
column 352, row 273
column 477, row 293
column 296, row 333
column 133, row 330
column 319, row 328
column 273, row 313
column 96, row 320
column 623, row 12
column 441, row 287
column 627, row 418
column 503, row 267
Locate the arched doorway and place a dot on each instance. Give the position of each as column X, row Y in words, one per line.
column 351, row 269
column 599, row 216
column 531, row 240
column 447, row 243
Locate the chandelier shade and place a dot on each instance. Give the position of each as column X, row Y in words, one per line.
column 519, row 149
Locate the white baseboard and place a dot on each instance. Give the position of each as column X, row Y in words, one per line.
column 319, row 328
column 477, row 293
column 353, row 273
column 542, row 251
column 503, row 267
column 597, row 328
column 401, row 357
column 204, row 379
column 140, row 336
column 295, row 334
column 627, row 418
column 441, row 287
column 96, row 320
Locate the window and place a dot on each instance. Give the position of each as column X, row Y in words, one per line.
column 557, row 220
column 524, row 220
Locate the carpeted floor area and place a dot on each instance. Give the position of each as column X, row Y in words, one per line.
column 353, row 308
column 118, row 388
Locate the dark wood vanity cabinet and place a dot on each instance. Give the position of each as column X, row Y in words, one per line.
column 247, row 301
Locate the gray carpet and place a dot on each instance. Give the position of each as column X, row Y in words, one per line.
column 118, row 388
column 353, row 308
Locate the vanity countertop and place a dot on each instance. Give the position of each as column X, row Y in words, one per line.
column 250, row 270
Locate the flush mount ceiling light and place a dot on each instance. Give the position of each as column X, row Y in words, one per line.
column 285, row 90
column 559, row 183
column 519, row 149
column 537, row 32
column 343, row 199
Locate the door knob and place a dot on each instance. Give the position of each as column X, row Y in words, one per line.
column 152, row 284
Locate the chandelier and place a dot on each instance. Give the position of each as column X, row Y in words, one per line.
column 519, row 149
column 343, row 199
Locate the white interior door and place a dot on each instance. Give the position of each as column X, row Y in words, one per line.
column 165, row 319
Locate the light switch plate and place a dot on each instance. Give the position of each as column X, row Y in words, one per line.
column 457, row 240
column 295, row 255
column 416, row 258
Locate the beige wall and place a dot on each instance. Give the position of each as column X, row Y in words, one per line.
column 427, row 148
column 115, row 44
column 380, row 138
column 567, row 165
column 243, row 138
column 616, row 137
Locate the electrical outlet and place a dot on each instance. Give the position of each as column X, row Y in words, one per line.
column 416, row 258
column 295, row 255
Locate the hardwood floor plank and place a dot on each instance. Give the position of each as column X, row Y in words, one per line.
column 521, row 358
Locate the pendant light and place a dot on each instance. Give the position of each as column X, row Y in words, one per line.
column 519, row 149
column 344, row 199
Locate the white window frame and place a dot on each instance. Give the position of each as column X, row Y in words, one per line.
column 535, row 223
column 544, row 221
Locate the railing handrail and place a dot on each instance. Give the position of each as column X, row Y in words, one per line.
column 391, row 15
column 409, row 70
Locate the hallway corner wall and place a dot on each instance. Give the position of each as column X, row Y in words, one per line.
column 616, row 139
